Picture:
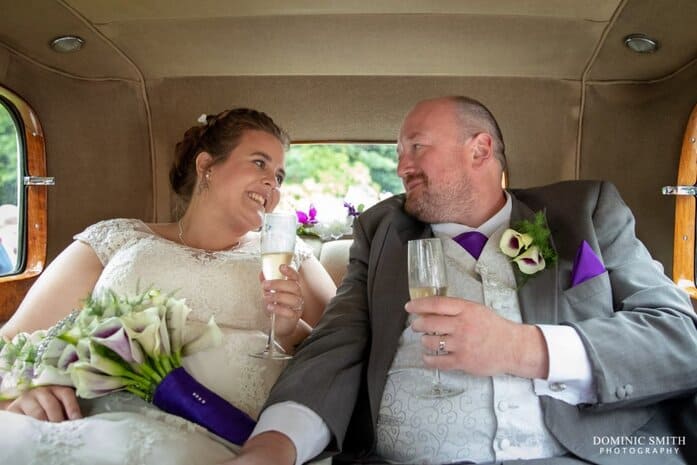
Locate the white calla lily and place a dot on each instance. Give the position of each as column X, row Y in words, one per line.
column 177, row 313
column 512, row 242
column 67, row 357
column 165, row 348
column 48, row 375
column 144, row 327
column 210, row 337
column 531, row 261
column 104, row 364
column 89, row 384
column 112, row 334
column 53, row 351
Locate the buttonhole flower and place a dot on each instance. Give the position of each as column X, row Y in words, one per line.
column 528, row 244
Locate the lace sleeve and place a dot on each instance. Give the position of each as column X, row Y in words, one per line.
column 108, row 236
column 302, row 253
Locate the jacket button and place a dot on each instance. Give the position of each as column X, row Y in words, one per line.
column 621, row 393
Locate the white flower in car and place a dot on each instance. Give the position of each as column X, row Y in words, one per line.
column 512, row 242
column 531, row 261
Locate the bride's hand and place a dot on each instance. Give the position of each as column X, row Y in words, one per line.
column 51, row 403
column 286, row 300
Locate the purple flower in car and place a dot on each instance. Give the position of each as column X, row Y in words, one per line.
column 307, row 219
column 353, row 211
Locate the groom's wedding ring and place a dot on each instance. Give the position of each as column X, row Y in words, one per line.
column 441, row 347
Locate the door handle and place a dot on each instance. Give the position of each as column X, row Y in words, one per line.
column 679, row 190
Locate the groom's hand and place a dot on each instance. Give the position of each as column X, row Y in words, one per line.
column 270, row 447
column 474, row 339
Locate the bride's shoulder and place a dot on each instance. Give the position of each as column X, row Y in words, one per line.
column 107, row 236
column 115, row 226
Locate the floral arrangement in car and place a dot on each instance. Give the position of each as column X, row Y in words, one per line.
column 133, row 344
column 331, row 225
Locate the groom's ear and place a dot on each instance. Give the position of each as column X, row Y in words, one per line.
column 482, row 147
column 204, row 160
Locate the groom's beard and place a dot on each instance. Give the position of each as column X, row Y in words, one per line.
column 444, row 201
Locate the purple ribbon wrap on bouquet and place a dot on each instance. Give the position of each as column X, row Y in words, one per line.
column 180, row 394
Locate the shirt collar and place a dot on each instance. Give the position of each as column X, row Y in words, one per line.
column 501, row 218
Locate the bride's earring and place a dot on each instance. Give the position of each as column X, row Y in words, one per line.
column 203, row 185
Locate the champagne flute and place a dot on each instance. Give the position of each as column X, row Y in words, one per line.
column 277, row 247
column 427, row 278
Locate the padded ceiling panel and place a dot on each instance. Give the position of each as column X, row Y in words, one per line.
column 506, row 38
column 672, row 23
column 106, row 11
column 360, row 45
column 29, row 26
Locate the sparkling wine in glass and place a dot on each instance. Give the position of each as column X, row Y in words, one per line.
column 277, row 247
column 427, row 278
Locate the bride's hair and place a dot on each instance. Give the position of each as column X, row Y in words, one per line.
column 218, row 136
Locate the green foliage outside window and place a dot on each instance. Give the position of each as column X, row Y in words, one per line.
column 8, row 158
column 359, row 173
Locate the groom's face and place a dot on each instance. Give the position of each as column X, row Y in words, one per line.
column 433, row 163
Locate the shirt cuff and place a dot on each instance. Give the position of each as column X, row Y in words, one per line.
column 302, row 425
column 570, row 377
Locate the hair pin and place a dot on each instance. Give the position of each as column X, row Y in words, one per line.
column 203, row 119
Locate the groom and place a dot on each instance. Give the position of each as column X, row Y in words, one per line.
column 557, row 366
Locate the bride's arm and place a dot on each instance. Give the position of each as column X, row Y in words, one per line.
column 60, row 288
column 317, row 288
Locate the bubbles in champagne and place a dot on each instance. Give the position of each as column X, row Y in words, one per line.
column 270, row 263
column 418, row 292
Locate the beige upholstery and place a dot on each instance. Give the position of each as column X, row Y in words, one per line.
column 334, row 257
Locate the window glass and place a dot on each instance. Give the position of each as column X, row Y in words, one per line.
column 332, row 178
column 10, row 192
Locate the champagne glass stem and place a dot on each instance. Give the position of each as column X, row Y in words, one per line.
column 436, row 378
column 270, row 343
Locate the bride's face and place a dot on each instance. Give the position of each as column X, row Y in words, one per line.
column 247, row 183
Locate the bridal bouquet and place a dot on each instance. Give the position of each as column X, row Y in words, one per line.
column 117, row 343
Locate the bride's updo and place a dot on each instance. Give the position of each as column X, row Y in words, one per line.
column 218, row 135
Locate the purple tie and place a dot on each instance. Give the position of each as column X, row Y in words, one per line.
column 472, row 241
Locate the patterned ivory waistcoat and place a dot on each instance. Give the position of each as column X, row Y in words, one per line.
column 495, row 418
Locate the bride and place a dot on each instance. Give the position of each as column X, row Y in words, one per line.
column 227, row 172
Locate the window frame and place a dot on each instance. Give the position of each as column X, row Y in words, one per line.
column 685, row 210
column 14, row 287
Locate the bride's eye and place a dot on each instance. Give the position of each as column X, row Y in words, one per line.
column 260, row 163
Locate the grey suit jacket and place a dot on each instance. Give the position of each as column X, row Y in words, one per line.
column 637, row 327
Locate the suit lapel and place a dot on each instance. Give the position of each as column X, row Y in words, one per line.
column 389, row 295
column 538, row 297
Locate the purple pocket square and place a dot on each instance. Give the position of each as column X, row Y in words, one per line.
column 586, row 265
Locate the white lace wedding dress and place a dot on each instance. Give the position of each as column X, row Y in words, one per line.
column 120, row 428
